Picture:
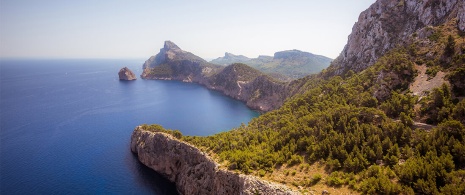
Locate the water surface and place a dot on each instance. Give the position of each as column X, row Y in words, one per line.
column 66, row 125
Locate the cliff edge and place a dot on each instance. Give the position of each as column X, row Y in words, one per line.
column 193, row 171
column 387, row 24
column 239, row 81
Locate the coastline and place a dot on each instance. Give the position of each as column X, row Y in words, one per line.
column 192, row 170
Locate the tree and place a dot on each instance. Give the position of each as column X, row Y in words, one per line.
column 450, row 46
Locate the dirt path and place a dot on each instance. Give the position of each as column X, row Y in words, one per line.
column 424, row 126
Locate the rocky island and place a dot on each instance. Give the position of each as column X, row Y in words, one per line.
column 126, row 75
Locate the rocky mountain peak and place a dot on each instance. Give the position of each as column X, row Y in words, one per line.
column 170, row 52
column 170, row 46
column 388, row 23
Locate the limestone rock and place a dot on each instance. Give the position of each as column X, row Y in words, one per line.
column 193, row 171
column 386, row 24
column 126, row 74
column 238, row 81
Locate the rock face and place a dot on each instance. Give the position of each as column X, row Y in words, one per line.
column 126, row 74
column 244, row 83
column 192, row 170
column 238, row 81
column 387, row 23
column 172, row 63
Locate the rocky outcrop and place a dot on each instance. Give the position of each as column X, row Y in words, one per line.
column 172, row 63
column 257, row 90
column 126, row 74
column 239, row 81
column 193, row 171
column 387, row 24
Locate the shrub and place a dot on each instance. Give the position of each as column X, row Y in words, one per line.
column 315, row 179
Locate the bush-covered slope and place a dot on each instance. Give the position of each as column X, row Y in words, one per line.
column 359, row 127
column 369, row 146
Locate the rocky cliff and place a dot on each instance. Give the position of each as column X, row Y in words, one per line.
column 387, row 24
column 126, row 74
column 244, row 83
column 239, row 81
column 191, row 170
column 172, row 63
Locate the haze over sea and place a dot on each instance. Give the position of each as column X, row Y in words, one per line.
column 66, row 125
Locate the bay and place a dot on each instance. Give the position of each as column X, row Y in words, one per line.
column 66, row 125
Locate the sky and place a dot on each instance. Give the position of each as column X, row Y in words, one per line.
column 137, row 29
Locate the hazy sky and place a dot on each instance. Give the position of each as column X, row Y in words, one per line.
column 137, row 29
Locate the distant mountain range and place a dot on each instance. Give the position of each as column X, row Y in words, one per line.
column 285, row 65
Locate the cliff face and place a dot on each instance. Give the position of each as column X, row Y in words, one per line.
column 191, row 169
column 172, row 63
column 238, row 81
column 244, row 83
column 387, row 24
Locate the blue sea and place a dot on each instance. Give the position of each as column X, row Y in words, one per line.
column 65, row 125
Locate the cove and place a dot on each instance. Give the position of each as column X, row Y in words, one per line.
column 66, row 125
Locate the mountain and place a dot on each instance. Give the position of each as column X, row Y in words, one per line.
column 172, row 63
column 242, row 82
column 230, row 58
column 387, row 24
column 387, row 116
column 286, row 65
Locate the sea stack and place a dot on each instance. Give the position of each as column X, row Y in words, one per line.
column 126, row 75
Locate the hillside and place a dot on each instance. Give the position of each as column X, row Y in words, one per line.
column 239, row 81
column 285, row 65
column 343, row 133
column 172, row 63
column 387, row 24
column 230, row 58
column 355, row 126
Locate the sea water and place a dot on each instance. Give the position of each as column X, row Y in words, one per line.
column 65, row 125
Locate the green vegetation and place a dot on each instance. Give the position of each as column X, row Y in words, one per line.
column 456, row 79
column 338, row 123
column 435, row 36
column 432, row 71
column 368, row 144
column 159, row 128
column 285, row 65
column 162, row 70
